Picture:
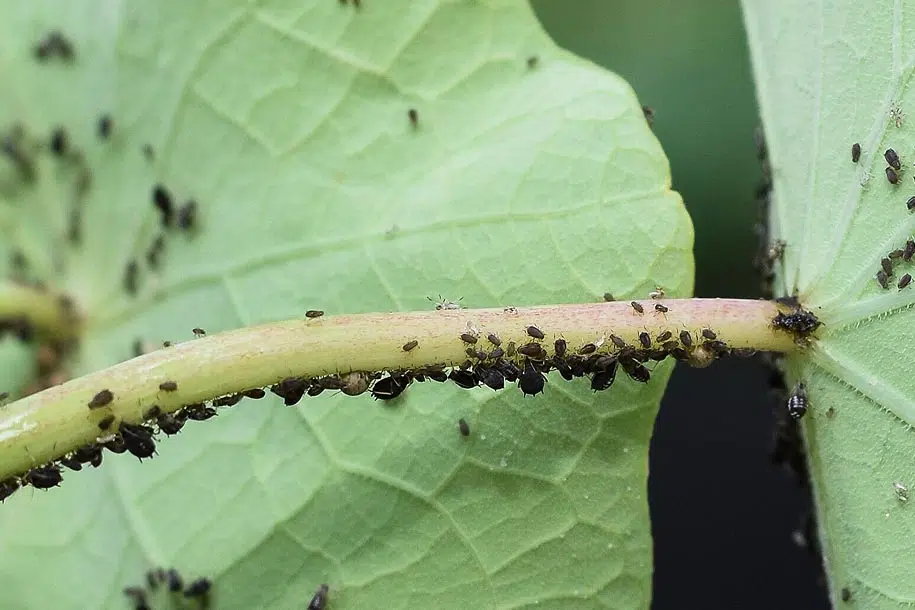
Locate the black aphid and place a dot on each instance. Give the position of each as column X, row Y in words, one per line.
column 463, row 379
column 797, row 402
column 199, row 588
column 319, row 601
column 635, row 369
column 8, row 487
column 497, row 353
column 587, row 348
column 892, row 159
column 532, row 62
column 175, row 582
column 564, row 368
column 155, row 251
column 909, row 250
column 887, row 266
column 910, row 204
column 495, row 340
column 468, row 338
column 168, row 386
column 892, row 176
column 608, row 298
column 314, row 313
column 471, row 351
column 493, row 378
column 533, row 350
column 313, row 391
column 409, row 345
column 43, row 477
column 846, row 594
column 669, row 346
column 603, row 379
column 59, row 141
column 89, row 454
column 531, row 380
column 330, row 382
column 897, row 253
column 534, row 332
column 105, row 422
column 560, row 348
column 139, row 439
column 71, row 462
column 510, row 370
column 198, row 412
column 904, row 281
column 131, row 271
column 855, row 152
column 105, row 125
column 464, row 427
column 155, row 577
column 645, row 339
column 435, row 374
column 228, row 401
column 101, row 399
column 187, row 216
column 664, row 336
column 390, row 387
column 882, row 279
column 162, row 199
column 291, row 389
column 199, row 332
column 708, row 333
column 661, row 308
column 169, row 424
column 255, row 393
column 413, row 115
column 137, row 597
column 637, row 306
column 115, row 444
column 54, row 44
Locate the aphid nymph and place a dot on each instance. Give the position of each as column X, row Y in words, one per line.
column 797, row 402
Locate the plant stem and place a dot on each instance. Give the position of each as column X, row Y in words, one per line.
column 48, row 313
column 46, row 425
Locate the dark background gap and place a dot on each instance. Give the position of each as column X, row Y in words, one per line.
column 722, row 514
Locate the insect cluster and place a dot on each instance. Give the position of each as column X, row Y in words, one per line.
column 170, row 583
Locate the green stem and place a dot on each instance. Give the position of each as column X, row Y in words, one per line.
column 49, row 314
column 49, row 424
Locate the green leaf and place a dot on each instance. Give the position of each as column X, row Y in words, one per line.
column 288, row 123
column 830, row 76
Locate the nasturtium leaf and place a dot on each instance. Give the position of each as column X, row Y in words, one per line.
column 828, row 76
column 524, row 181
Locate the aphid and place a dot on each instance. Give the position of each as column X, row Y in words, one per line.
column 560, row 347
column 664, row 336
column 113, row 443
column 139, row 439
column 166, row 344
column 910, row 204
column 43, row 477
column 54, row 44
column 8, row 487
column 413, row 115
column 494, row 339
column 904, row 281
column 59, row 141
column 661, row 308
column 603, row 379
column 175, row 582
column 88, row 453
column 436, row 374
column 902, row 492
column 390, row 387
column 257, row 393
column 105, row 124
column 102, row 398
column 463, row 379
column 162, row 199
column 637, row 306
column 199, row 332
column 468, row 338
column 291, row 389
column 409, row 345
column 228, row 401
column 464, row 427
column 709, row 334
column 443, row 303
column 497, row 353
column 319, row 601
column 895, row 113
column 648, row 113
column 587, row 348
column 198, row 588
column 855, row 152
column 169, row 424
column 635, row 370
column 355, row 383
column 887, row 265
column 892, row 176
column 198, row 412
column 511, row 310
column 471, row 352
column 608, row 297
column 105, row 422
column 534, row 332
column 846, row 594
column 137, row 596
column 72, row 463
column 329, row 382
column 187, row 215
column 314, row 313
column 155, row 251
column 797, row 402
column 168, row 386
column 617, row 341
column 645, row 339
column 130, row 277
column 669, row 346
column 909, row 250
column 532, row 62
column 493, row 379
column 892, row 159
column 313, row 391
column 531, row 380
column 532, row 350
column 882, row 279
column 510, row 370
column 510, row 350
